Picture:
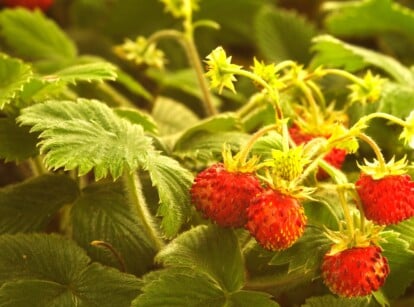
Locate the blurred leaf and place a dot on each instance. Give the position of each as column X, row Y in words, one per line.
column 133, row 85
column 172, row 116
column 406, row 231
column 264, row 145
column 87, row 134
column 173, row 183
column 30, row 205
column 14, row 74
column 396, row 99
column 369, row 17
column 223, row 122
column 334, row 301
column 98, row 71
column 33, row 36
column 332, row 52
column 138, row 117
column 210, row 250
column 103, row 213
column 32, row 274
column 400, row 259
column 207, row 146
column 16, row 143
column 315, row 242
column 252, row 298
column 283, row 35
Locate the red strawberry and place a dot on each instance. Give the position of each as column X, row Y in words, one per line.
column 357, row 271
column 388, row 200
column 275, row 220
column 223, row 196
column 335, row 157
column 29, row 4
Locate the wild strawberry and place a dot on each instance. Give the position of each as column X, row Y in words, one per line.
column 29, row 4
column 275, row 220
column 335, row 157
column 357, row 271
column 223, row 196
column 388, row 200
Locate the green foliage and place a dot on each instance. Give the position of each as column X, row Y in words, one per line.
column 87, row 134
column 14, row 75
column 332, row 301
column 370, row 17
column 274, row 31
column 102, row 212
column 333, row 52
column 35, row 37
column 173, row 183
column 204, row 268
column 16, row 143
column 30, row 205
column 49, row 270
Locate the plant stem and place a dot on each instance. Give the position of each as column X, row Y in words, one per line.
column 246, row 149
column 37, row 167
column 347, row 214
column 134, row 192
column 377, row 150
column 114, row 252
column 390, row 117
column 187, row 41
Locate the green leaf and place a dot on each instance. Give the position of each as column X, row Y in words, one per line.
column 274, row 30
column 87, row 135
column 180, row 287
column 334, row 301
column 16, row 143
column 400, row 259
column 103, row 213
column 207, row 146
column 14, row 74
column 173, row 183
column 35, row 37
column 183, row 117
column 396, row 99
column 133, row 86
column 98, row 71
column 406, row 231
column 39, row 265
column 314, row 242
column 224, row 122
column 211, row 250
column 370, row 17
column 138, row 117
column 251, row 298
column 264, row 145
column 333, row 52
column 30, row 205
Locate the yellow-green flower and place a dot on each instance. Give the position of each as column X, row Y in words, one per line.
column 220, row 70
column 368, row 90
column 407, row 134
column 180, row 8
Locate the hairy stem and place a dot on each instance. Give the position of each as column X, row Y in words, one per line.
column 377, row 150
column 347, row 213
column 114, row 252
column 134, row 192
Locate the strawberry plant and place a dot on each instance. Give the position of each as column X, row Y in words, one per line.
column 206, row 153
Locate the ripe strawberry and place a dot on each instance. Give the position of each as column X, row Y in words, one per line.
column 335, row 157
column 357, row 271
column 388, row 200
column 29, row 4
column 223, row 196
column 275, row 220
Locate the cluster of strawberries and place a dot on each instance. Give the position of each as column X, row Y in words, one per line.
column 276, row 220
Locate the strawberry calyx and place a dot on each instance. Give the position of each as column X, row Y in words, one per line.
column 379, row 170
column 362, row 236
column 238, row 163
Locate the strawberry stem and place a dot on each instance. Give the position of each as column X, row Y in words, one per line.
column 389, row 117
column 246, row 149
column 187, row 41
column 347, row 213
column 377, row 150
